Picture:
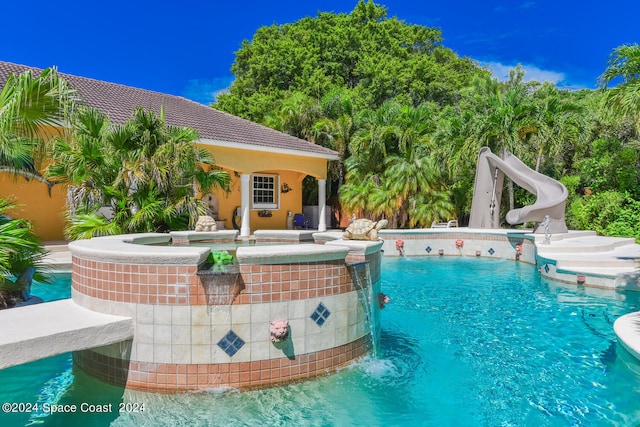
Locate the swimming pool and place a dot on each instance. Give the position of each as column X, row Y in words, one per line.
column 465, row 342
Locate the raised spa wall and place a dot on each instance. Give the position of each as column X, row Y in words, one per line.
column 188, row 337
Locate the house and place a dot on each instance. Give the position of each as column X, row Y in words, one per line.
column 266, row 166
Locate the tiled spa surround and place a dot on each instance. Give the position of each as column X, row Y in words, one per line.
column 186, row 339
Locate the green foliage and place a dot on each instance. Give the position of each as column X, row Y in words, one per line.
column 20, row 249
column 610, row 165
column 28, row 104
column 146, row 172
column 610, row 213
column 624, row 64
column 408, row 117
column 375, row 57
column 391, row 172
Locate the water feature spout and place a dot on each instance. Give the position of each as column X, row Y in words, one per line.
column 518, row 251
column 279, row 330
column 383, row 300
column 400, row 247
column 220, row 283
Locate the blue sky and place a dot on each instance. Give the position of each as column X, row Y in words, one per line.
column 186, row 47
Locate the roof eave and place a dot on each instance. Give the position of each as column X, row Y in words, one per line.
column 244, row 146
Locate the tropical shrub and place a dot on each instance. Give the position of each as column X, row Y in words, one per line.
column 20, row 250
column 609, row 213
column 145, row 172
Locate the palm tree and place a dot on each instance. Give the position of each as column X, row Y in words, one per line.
column 146, row 171
column 336, row 128
column 412, row 173
column 87, row 162
column 20, row 251
column 559, row 123
column 32, row 109
column 391, row 172
column 509, row 121
column 356, row 195
column 297, row 116
column 375, row 136
column 624, row 64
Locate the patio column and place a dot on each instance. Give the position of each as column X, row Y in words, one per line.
column 245, row 228
column 322, row 204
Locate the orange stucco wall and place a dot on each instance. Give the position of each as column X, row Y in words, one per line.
column 290, row 201
column 36, row 205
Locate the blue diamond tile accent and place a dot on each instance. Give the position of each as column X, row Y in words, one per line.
column 320, row 315
column 231, row 343
column 428, row 249
column 546, row 268
column 491, row 251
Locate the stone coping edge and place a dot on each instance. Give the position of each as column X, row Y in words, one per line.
column 290, row 254
column 44, row 330
column 194, row 236
column 359, row 247
column 138, row 249
column 292, row 235
column 627, row 329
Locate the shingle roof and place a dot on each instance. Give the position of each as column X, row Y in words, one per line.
column 119, row 102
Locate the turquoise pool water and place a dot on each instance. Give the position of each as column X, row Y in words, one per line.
column 465, row 342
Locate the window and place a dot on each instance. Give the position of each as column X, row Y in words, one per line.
column 265, row 191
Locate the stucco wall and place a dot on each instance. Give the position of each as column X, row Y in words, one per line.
column 291, row 201
column 36, row 205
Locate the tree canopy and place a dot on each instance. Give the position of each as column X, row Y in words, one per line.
column 373, row 56
column 408, row 117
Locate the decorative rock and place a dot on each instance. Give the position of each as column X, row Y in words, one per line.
column 364, row 229
column 206, row 223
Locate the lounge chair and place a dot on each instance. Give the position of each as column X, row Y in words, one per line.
column 448, row 224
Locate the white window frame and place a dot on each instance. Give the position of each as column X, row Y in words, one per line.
column 255, row 188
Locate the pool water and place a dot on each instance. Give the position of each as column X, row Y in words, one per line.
column 59, row 287
column 465, row 342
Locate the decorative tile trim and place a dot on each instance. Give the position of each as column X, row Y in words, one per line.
column 170, row 378
column 320, row 315
column 231, row 343
column 180, row 284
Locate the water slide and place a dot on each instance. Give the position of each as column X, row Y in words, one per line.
column 485, row 207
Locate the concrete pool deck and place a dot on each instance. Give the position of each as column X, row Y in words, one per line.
column 44, row 330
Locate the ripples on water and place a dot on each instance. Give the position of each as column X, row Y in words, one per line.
column 465, row 342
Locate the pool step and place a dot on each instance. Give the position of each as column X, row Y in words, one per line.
column 628, row 331
column 583, row 244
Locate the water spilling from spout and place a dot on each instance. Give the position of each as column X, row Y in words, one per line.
column 361, row 277
column 220, row 283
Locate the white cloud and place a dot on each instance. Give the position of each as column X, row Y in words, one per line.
column 532, row 73
column 205, row 91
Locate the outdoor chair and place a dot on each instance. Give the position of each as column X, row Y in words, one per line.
column 299, row 221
